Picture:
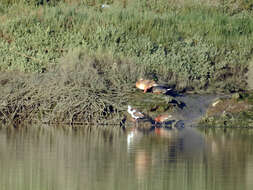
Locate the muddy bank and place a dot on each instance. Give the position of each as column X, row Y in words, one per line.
column 84, row 90
column 88, row 97
column 65, row 97
column 233, row 111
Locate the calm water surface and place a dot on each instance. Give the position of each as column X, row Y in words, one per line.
column 102, row 158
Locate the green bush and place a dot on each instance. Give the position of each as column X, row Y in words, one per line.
column 192, row 44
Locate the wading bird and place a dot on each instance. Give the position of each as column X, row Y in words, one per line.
column 134, row 113
column 163, row 118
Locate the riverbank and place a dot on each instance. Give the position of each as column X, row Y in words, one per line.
column 230, row 112
column 76, row 61
column 89, row 90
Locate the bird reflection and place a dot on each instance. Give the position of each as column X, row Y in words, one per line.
column 154, row 146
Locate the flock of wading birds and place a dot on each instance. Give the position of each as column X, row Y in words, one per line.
column 147, row 85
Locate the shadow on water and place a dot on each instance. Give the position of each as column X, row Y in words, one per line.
column 112, row 158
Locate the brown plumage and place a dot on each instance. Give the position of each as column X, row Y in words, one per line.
column 145, row 84
column 162, row 118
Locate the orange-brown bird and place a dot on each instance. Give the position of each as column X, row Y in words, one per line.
column 145, row 84
column 162, row 118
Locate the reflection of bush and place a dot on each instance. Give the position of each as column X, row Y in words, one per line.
column 231, row 150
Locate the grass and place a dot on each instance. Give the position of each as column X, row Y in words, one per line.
column 195, row 45
column 196, row 42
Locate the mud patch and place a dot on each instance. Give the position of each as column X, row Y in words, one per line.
column 236, row 111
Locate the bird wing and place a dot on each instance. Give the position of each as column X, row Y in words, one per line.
column 138, row 114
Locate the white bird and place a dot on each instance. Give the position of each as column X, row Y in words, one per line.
column 134, row 113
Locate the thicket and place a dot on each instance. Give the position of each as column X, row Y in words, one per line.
column 195, row 45
column 90, row 90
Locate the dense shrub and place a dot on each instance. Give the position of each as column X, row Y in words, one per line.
column 196, row 45
column 82, row 88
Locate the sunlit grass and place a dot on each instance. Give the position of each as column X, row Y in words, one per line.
column 201, row 41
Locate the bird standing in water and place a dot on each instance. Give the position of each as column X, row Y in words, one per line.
column 134, row 113
column 163, row 118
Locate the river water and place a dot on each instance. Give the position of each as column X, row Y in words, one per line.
column 110, row 158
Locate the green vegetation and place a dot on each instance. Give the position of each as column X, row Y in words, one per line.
column 97, row 52
column 195, row 44
column 69, row 93
column 93, row 89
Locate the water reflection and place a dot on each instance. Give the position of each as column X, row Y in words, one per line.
column 107, row 158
